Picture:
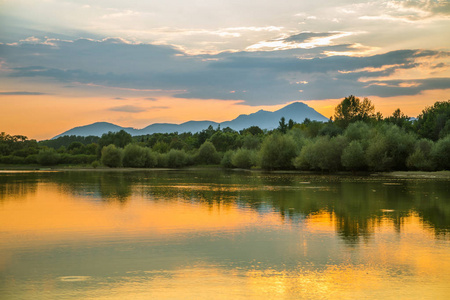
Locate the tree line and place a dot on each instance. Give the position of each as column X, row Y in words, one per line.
column 356, row 138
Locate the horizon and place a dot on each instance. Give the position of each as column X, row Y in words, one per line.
column 66, row 63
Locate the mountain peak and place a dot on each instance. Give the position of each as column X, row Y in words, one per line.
column 296, row 111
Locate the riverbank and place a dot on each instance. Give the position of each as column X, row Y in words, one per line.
column 395, row 174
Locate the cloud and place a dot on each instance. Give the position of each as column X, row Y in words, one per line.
column 128, row 109
column 119, row 98
column 22, row 93
column 256, row 77
column 305, row 36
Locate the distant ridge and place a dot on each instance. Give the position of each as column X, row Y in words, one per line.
column 297, row 111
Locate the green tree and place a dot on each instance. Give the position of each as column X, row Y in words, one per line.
column 352, row 109
column 244, row 158
column 111, row 156
column 277, row 152
column 282, row 127
column 135, row 156
column 207, row 154
column 324, row 153
column 353, row 157
column 176, row 158
column 119, row 139
column 227, row 159
column 421, row 159
column 48, row 157
column 434, row 122
column 441, row 153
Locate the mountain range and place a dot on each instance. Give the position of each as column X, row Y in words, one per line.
column 297, row 111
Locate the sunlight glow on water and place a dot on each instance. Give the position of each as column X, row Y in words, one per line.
column 221, row 235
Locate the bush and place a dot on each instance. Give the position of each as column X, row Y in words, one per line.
column 389, row 148
column 79, row 159
column 441, row 153
column 227, row 158
column 207, row 154
column 111, row 156
column 95, row 164
column 420, row 159
column 277, row 152
column 353, row 157
column 244, row 158
column 322, row 154
column 48, row 157
column 176, row 158
column 162, row 160
column 134, row 156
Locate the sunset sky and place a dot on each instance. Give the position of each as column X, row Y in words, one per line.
column 67, row 63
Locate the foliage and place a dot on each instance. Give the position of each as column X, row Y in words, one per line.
column 66, row 140
column 244, row 158
column 441, row 153
column 207, row 154
column 176, row 158
column 227, row 159
column 119, row 139
column 421, row 159
column 324, row 153
column 352, row 109
column 277, row 152
column 111, row 156
column 136, row 156
column 48, row 157
column 353, row 157
column 434, row 122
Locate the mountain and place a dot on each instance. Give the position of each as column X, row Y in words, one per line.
column 296, row 111
column 97, row 129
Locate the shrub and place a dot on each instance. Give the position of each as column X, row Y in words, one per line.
column 277, row 152
column 441, row 153
column 353, row 157
column 134, row 156
column 176, row 158
column 111, row 156
column 207, row 154
column 227, row 158
column 322, row 154
column 421, row 159
column 48, row 157
column 244, row 158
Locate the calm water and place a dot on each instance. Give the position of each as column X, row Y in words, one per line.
column 222, row 235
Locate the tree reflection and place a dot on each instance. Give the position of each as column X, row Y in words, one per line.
column 358, row 205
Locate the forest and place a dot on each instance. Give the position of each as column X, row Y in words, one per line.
column 356, row 138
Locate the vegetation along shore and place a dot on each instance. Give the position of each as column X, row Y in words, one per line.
column 356, row 138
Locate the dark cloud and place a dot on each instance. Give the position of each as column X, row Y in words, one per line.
column 265, row 77
column 128, row 109
column 21, row 93
column 119, row 98
column 150, row 99
column 306, row 36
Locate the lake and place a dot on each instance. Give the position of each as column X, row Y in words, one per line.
column 212, row 234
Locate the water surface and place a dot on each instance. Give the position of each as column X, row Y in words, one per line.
column 222, row 235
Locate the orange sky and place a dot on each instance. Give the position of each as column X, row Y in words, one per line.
column 45, row 116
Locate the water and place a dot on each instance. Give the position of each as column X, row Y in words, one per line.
column 222, row 235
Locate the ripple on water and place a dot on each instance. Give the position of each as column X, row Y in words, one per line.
column 74, row 278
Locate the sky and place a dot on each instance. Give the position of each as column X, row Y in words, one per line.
column 67, row 63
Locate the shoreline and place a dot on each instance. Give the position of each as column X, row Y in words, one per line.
column 393, row 174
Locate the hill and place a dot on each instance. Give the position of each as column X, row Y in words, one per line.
column 296, row 111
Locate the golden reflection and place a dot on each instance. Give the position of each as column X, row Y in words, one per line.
column 51, row 215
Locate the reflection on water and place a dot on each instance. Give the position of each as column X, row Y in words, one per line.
column 213, row 235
